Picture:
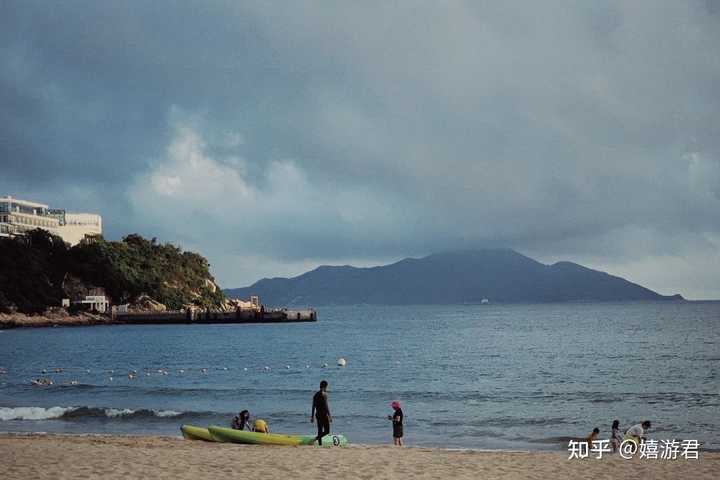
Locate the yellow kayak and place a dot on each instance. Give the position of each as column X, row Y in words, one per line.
column 192, row 432
column 223, row 434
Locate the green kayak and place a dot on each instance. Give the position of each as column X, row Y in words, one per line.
column 192, row 432
column 222, row 434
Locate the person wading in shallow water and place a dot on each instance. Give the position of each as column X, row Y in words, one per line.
column 321, row 412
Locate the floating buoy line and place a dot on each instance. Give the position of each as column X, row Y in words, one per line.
column 132, row 374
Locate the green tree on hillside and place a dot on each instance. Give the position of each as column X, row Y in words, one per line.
column 32, row 270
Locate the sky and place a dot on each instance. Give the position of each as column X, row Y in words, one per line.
column 273, row 137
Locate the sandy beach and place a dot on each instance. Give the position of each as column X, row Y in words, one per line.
column 41, row 456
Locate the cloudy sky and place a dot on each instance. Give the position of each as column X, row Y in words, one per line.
column 276, row 136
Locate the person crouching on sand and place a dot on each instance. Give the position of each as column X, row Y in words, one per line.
column 592, row 437
column 397, row 423
column 242, row 421
column 636, row 433
column 261, row 426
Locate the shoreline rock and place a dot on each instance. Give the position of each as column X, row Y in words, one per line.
column 53, row 319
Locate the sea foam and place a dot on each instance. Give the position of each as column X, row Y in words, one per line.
column 75, row 413
column 33, row 413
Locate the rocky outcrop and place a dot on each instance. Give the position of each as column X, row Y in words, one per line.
column 146, row 304
column 232, row 304
column 53, row 317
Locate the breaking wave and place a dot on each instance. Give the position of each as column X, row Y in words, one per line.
column 32, row 413
column 79, row 413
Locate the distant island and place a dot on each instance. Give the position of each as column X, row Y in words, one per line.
column 471, row 276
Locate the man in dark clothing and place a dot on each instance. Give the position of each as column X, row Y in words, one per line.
column 397, row 423
column 321, row 410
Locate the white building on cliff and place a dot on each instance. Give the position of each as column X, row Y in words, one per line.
column 20, row 216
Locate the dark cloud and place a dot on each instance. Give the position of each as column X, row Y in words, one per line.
column 273, row 138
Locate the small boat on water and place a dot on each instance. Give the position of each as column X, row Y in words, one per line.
column 222, row 434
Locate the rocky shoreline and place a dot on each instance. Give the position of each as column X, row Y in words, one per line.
column 59, row 317
column 53, row 319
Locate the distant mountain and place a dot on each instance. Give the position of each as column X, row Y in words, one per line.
column 499, row 275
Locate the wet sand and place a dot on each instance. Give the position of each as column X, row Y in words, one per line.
column 40, row 456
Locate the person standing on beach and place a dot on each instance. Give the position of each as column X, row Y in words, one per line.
column 616, row 438
column 321, row 411
column 397, row 423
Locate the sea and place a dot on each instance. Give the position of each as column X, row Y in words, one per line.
column 509, row 377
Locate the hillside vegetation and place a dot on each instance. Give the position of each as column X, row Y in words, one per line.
column 36, row 271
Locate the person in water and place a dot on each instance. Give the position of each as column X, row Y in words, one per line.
column 616, row 438
column 592, row 437
column 636, row 433
column 242, row 421
column 321, row 412
column 397, row 423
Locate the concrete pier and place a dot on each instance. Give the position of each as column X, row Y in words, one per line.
column 190, row 317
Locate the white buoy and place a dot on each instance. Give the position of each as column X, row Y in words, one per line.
column 111, row 379
column 245, row 369
column 324, row 365
column 307, row 366
column 287, row 367
column 181, row 371
column 341, row 362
